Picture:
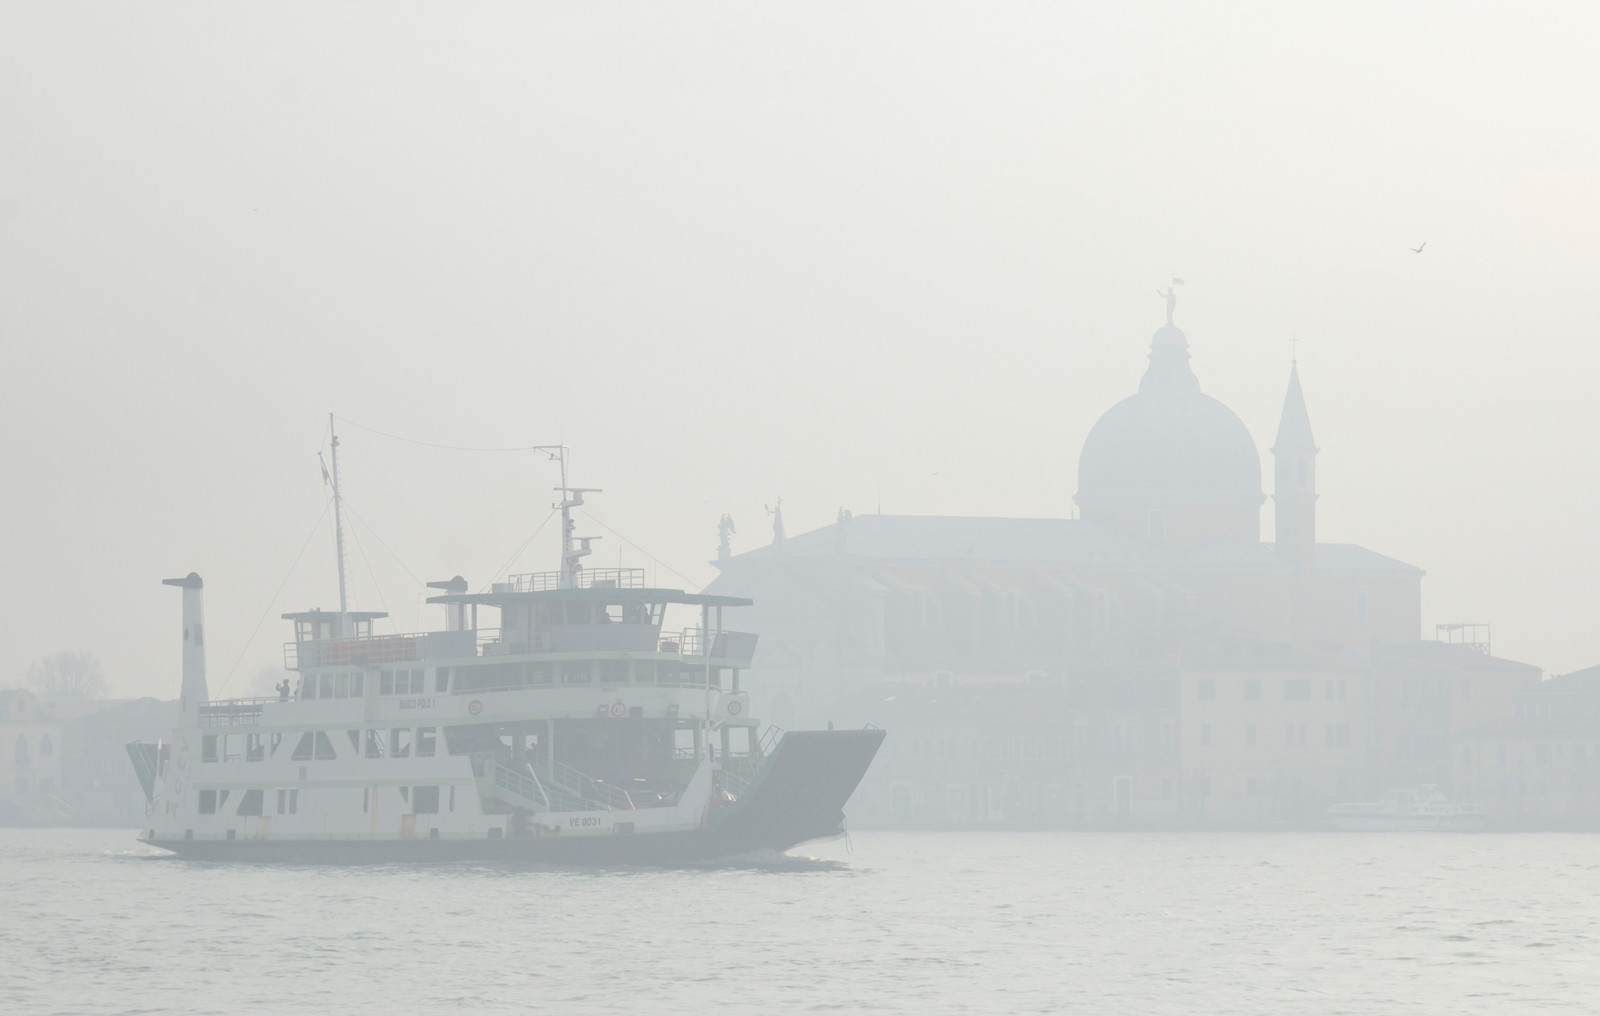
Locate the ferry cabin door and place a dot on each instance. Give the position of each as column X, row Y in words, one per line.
column 1122, row 796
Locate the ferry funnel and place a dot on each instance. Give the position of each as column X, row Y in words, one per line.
column 194, row 645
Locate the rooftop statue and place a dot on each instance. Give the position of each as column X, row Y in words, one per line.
column 1171, row 296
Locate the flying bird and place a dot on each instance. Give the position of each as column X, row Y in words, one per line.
column 1418, row 250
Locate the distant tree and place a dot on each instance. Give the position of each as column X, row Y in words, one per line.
column 68, row 676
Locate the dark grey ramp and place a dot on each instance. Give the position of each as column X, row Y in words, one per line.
column 800, row 791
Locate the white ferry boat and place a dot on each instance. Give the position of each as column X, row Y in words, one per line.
column 1423, row 809
column 579, row 729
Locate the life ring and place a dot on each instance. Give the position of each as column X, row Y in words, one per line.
column 618, row 710
column 735, row 707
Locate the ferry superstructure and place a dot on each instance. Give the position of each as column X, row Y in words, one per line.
column 582, row 728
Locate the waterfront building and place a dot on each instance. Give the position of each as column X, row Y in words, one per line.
column 1150, row 660
column 30, row 759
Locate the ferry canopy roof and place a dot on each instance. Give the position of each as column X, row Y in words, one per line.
column 318, row 615
column 599, row 594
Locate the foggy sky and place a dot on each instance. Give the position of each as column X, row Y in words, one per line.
column 896, row 254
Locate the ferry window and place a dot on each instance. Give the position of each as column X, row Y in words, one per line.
column 288, row 801
column 302, row 749
column 426, row 741
column 356, row 682
column 308, row 686
column 222, row 797
column 441, row 679
column 208, row 802
column 341, row 686
column 425, row 800
column 355, row 738
column 575, row 673
column 366, row 799
column 613, row 672
column 250, row 803
column 208, row 748
column 255, row 748
column 374, row 744
column 327, row 686
column 416, row 682
column 386, row 683
column 277, row 739
column 452, row 798
column 324, row 747
column 400, row 742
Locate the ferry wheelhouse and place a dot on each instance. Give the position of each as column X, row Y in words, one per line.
column 587, row 724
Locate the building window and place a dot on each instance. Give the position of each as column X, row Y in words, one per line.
column 1250, row 735
column 46, row 745
column 1252, row 689
column 1208, row 689
column 1205, row 734
column 1297, row 690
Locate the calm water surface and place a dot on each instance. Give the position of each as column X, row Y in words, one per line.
column 894, row 922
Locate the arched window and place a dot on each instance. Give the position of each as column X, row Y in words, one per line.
column 46, row 746
column 20, row 756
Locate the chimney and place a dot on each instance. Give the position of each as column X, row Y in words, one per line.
column 194, row 692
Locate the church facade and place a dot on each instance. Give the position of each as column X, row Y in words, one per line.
column 1149, row 661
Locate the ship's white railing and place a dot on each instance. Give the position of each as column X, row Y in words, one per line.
column 232, row 712
column 588, row 578
column 737, row 647
column 590, row 788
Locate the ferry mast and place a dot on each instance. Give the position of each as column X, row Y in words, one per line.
column 573, row 548
column 338, row 523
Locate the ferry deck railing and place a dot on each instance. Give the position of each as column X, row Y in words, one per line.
column 588, row 578
column 688, row 643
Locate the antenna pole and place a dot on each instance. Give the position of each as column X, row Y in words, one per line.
column 573, row 548
column 338, row 526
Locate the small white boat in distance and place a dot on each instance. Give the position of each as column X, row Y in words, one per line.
column 1423, row 809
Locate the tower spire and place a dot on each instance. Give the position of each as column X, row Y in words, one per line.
column 1294, row 479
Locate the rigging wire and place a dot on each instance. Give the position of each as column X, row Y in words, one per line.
column 430, row 444
column 518, row 552
column 259, row 621
column 356, row 536
column 635, row 546
column 357, row 516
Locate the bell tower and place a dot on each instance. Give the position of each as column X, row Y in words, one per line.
column 1294, row 479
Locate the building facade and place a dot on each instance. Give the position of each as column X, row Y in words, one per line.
column 1150, row 660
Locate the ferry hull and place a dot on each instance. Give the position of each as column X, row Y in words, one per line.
column 797, row 796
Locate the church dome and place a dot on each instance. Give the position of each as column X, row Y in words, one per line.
column 1170, row 444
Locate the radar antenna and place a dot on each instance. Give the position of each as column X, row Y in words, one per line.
column 573, row 548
